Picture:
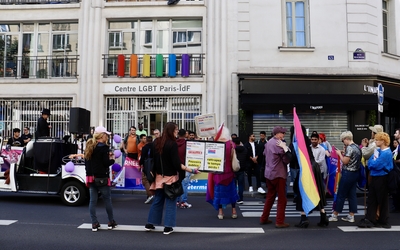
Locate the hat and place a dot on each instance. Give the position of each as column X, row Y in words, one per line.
column 101, row 129
column 46, row 112
column 278, row 129
column 376, row 129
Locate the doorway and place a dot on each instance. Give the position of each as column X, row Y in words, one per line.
column 152, row 121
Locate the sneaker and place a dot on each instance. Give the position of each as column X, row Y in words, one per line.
column 168, row 230
column 95, row 227
column 112, row 225
column 186, row 205
column 149, row 199
column 239, row 202
column 348, row 218
column 250, row 189
column 333, row 218
column 178, row 204
column 149, row 227
column 261, row 190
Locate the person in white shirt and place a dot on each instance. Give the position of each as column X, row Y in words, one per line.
column 318, row 152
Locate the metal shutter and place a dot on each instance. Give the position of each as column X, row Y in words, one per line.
column 332, row 124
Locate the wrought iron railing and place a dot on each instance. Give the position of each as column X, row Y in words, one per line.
column 40, row 67
column 195, row 66
column 38, row 1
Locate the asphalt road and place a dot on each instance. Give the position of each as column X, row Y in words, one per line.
column 43, row 222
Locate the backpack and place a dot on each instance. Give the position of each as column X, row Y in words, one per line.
column 393, row 179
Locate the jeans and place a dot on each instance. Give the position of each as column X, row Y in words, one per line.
column 293, row 174
column 347, row 189
column 239, row 179
column 157, row 207
column 106, row 194
column 185, row 185
column 275, row 187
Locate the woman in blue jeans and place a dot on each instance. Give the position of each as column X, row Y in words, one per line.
column 351, row 160
column 97, row 164
column 168, row 169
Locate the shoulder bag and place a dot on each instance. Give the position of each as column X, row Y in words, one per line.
column 173, row 190
column 235, row 161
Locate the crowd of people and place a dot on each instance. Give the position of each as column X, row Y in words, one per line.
column 269, row 160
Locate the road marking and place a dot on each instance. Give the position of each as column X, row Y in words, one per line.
column 246, row 230
column 352, row 229
column 255, row 208
column 7, row 222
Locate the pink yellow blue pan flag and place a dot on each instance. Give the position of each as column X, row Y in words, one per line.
column 307, row 185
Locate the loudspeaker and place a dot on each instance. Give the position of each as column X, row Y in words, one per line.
column 79, row 121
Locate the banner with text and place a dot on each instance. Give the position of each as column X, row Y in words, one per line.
column 206, row 125
column 205, row 155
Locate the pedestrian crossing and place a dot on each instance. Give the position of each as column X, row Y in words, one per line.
column 225, row 230
column 254, row 209
column 7, row 222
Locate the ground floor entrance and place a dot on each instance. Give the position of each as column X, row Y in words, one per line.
column 122, row 112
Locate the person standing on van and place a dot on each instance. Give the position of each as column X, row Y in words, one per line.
column 43, row 127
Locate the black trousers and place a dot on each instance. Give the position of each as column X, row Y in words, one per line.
column 253, row 169
column 378, row 196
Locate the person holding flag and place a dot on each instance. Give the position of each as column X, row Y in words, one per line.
column 351, row 160
column 316, row 171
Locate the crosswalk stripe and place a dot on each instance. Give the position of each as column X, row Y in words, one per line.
column 7, row 222
column 352, row 229
column 247, row 230
column 255, row 208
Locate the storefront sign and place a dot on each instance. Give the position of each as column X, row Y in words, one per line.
column 151, row 89
column 361, row 127
column 316, row 107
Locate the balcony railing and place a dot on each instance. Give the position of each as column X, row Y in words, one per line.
column 153, row 65
column 40, row 67
column 38, row 1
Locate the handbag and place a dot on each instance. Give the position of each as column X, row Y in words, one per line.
column 101, row 181
column 235, row 161
column 148, row 168
column 173, row 190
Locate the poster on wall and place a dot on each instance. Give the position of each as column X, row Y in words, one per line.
column 206, row 156
column 206, row 125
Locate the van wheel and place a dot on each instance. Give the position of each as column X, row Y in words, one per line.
column 73, row 193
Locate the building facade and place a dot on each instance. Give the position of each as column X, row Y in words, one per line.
column 127, row 62
column 248, row 61
column 326, row 58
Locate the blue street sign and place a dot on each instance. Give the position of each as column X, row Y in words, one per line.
column 380, row 93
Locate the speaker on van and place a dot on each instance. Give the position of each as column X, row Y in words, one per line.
column 79, row 121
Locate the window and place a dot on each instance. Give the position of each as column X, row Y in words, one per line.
column 148, row 38
column 385, row 25
column 61, row 42
column 296, row 23
column 115, row 40
column 389, row 28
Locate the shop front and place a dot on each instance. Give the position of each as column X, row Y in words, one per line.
column 152, row 105
column 324, row 104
